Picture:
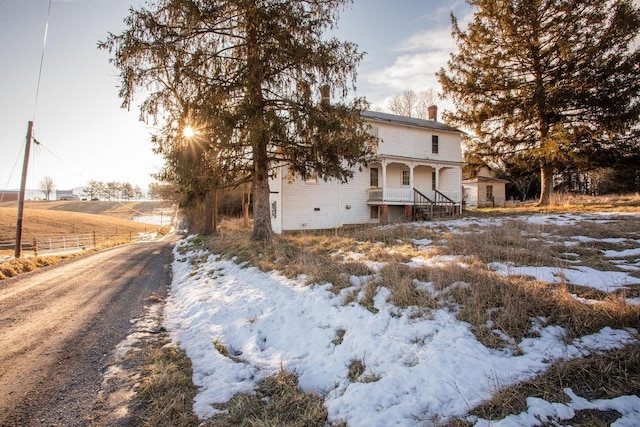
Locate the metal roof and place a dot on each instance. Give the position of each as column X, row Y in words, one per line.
column 409, row 121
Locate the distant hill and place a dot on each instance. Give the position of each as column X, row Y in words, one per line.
column 44, row 218
column 122, row 210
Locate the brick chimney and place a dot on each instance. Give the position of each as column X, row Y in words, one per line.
column 433, row 112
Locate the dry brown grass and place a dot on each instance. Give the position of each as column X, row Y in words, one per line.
column 167, row 390
column 121, row 210
column 109, row 230
column 599, row 376
column 293, row 255
column 277, row 401
column 514, row 241
column 502, row 311
column 568, row 203
column 16, row 267
column 40, row 222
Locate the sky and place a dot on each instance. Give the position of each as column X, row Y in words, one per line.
column 426, row 368
column 86, row 135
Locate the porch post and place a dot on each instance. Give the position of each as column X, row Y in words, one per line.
column 411, row 166
column 438, row 178
column 384, row 179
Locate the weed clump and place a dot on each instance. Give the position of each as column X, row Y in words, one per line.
column 167, row 390
column 277, row 401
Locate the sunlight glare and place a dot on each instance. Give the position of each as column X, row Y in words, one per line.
column 189, row 132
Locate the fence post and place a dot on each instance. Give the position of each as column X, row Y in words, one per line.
column 35, row 247
column 94, row 238
column 130, row 236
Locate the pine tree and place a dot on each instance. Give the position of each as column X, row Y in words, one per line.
column 555, row 80
column 248, row 74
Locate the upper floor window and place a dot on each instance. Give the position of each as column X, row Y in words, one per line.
column 405, row 178
column 434, row 144
column 373, row 177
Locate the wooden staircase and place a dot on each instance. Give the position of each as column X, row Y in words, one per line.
column 425, row 209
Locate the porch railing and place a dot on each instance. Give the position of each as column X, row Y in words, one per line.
column 406, row 195
column 389, row 195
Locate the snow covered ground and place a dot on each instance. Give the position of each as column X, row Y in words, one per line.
column 159, row 217
column 418, row 369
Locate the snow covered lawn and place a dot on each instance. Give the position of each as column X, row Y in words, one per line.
column 419, row 368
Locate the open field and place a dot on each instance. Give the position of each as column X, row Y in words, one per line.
column 122, row 210
column 73, row 226
column 47, row 222
column 568, row 203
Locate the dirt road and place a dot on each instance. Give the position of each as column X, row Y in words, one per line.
column 59, row 326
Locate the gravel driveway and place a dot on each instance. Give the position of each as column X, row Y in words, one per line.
column 62, row 331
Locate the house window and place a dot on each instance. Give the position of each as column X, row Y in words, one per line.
column 374, row 130
column 405, row 178
column 489, row 193
column 433, row 180
column 373, row 177
column 374, row 212
column 434, row 144
column 274, row 209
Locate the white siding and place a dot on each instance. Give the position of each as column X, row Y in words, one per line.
column 354, row 195
column 323, row 204
column 422, row 179
column 275, row 196
column 471, row 194
column 404, row 141
column 310, row 206
column 449, row 180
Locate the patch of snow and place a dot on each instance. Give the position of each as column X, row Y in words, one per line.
column 425, row 367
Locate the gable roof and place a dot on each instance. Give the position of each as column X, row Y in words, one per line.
column 483, row 179
column 408, row 121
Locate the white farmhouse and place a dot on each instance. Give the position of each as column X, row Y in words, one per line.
column 415, row 174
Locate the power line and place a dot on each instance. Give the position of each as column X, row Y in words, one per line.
column 44, row 45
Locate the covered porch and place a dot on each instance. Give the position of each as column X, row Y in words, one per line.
column 424, row 188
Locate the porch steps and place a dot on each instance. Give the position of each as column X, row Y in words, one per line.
column 425, row 209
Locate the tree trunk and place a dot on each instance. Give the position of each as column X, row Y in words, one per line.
column 216, row 221
column 260, row 139
column 208, row 213
column 246, row 201
column 261, row 211
column 546, row 185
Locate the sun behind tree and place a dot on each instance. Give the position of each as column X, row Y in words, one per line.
column 249, row 74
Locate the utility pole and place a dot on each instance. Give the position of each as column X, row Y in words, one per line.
column 23, row 186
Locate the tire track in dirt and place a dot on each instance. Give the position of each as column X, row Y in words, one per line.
column 59, row 325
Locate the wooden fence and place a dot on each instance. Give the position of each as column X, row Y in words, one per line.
column 61, row 244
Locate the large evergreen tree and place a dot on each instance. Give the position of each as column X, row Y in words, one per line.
column 248, row 73
column 554, row 80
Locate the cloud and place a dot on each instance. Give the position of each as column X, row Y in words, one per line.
column 433, row 40
column 419, row 57
column 416, row 71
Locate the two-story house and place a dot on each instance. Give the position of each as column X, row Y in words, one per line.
column 415, row 174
